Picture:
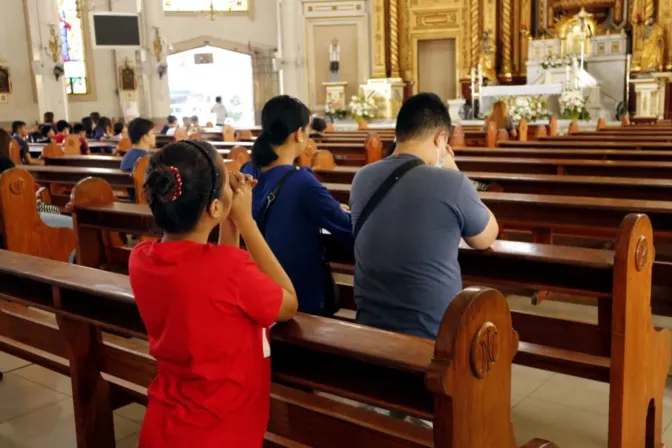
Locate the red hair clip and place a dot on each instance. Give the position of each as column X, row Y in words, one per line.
column 178, row 183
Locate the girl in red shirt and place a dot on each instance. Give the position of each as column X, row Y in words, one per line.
column 207, row 308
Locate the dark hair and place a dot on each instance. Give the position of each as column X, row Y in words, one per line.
column 421, row 114
column 87, row 122
column 194, row 118
column 138, row 128
column 5, row 141
column 218, row 99
column 48, row 117
column 6, row 164
column 79, row 127
column 44, row 130
column 95, row 117
column 172, row 119
column 280, row 118
column 16, row 125
column 118, row 128
column 201, row 184
column 61, row 125
column 318, row 124
column 104, row 123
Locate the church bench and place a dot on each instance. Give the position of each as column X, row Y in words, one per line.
column 587, row 145
column 612, row 138
column 559, row 153
column 583, row 167
column 586, row 272
column 87, row 161
column 462, row 380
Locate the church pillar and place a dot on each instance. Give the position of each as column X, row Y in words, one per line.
column 505, row 39
column 292, row 55
column 379, row 39
column 156, row 90
column 129, row 100
column 394, row 39
column 45, row 40
column 476, row 30
column 522, row 35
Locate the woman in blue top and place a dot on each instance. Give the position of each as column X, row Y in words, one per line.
column 303, row 206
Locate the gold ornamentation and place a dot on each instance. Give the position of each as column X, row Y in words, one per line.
column 487, row 56
column 436, row 19
column 17, row 186
column 475, row 26
column 653, row 47
column 379, row 60
column 618, row 12
column 506, row 39
column 54, row 44
column 158, row 45
column 484, row 350
column 394, row 39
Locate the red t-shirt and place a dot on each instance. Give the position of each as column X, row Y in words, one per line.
column 59, row 138
column 207, row 310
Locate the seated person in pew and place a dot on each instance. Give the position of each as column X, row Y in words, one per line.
column 103, row 129
column 5, row 142
column 49, row 120
column 87, row 122
column 207, row 308
column 45, row 134
column 318, row 127
column 406, row 244
column 80, row 131
column 194, row 127
column 501, row 118
column 186, row 122
column 63, row 130
column 20, row 133
column 141, row 133
column 301, row 208
column 170, row 127
column 120, row 131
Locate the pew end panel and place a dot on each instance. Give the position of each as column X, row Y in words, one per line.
column 228, row 134
column 72, row 145
column 472, row 363
column 457, row 137
column 553, row 126
column 491, row 134
column 15, row 152
column 306, row 157
column 640, row 353
column 53, row 149
column 323, row 160
column 139, row 174
column 239, row 157
column 523, row 130
column 22, row 228
column 373, row 147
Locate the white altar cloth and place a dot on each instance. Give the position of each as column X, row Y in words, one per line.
column 524, row 90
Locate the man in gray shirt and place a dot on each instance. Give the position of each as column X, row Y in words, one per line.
column 406, row 269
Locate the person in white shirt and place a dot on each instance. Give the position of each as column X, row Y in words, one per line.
column 219, row 110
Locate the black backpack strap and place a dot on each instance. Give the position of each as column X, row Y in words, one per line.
column 270, row 200
column 382, row 191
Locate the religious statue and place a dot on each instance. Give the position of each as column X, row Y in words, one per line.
column 577, row 34
column 334, row 56
column 486, row 57
column 652, row 47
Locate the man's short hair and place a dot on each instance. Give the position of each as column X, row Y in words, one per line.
column 194, row 118
column 48, row 117
column 79, row 127
column 61, row 125
column 218, row 99
column 318, row 124
column 172, row 119
column 95, row 116
column 118, row 128
column 138, row 128
column 420, row 115
column 16, row 125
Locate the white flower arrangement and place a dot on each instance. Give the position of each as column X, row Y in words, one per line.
column 555, row 61
column 573, row 105
column 362, row 108
column 529, row 108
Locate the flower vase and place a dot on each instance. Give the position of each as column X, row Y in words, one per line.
column 363, row 124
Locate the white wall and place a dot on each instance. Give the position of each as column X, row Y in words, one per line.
column 104, row 79
column 14, row 54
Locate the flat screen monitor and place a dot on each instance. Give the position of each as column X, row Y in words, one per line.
column 114, row 30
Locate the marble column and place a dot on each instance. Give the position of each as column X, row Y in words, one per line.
column 293, row 49
column 157, row 92
column 43, row 23
column 129, row 101
column 379, row 39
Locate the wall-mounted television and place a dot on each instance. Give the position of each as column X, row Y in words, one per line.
column 115, row 30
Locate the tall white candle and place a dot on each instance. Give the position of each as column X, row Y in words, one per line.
column 480, row 76
column 567, row 74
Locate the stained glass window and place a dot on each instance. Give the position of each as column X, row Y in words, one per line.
column 72, row 48
column 206, row 5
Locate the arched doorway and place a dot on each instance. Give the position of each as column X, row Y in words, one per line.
column 197, row 76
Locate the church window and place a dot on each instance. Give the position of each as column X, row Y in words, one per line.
column 73, row 47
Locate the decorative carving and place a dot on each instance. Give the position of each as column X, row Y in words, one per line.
column 506, row 70
column 394, row 39
column 436, row 19
column 475, row 22
column 484, row 350
column 653, row 46
column 379, row 59
column 17, row 186
column 641, row 253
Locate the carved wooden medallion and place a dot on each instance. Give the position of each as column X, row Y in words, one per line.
column 484, row 350
column 17, row 186
column 641, row 253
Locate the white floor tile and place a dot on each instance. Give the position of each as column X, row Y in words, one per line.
column 9, row 362
column 18, row 396
column 129, row 442
column 47, row 378
column 525, row 380
column 133, row 411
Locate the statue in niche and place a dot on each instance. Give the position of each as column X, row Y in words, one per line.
column 334, row 59
column 487, row 57
column 653, row 46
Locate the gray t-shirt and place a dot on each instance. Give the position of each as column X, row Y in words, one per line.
column 406, row 269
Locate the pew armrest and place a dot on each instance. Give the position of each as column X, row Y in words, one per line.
column 43, row 194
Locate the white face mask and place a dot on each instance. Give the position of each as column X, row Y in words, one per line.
column 441, row 156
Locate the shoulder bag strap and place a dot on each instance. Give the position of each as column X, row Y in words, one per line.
column 382, row 191
column 270, row 200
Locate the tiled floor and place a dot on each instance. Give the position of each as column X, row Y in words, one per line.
column 36, row 409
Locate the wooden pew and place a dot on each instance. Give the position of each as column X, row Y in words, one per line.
column 467, row 371
column 578, row 167
column 90, row 161
column 21, row 229
column 542, row 153
column 612, row 138
column 556, row 144
column 596, row 352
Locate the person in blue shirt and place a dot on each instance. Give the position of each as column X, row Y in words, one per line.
column 19, row 134
column 103, row 129
column 141, row 133
column 303, row 206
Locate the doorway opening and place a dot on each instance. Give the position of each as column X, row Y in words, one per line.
column 437, row 68
column 196, row 77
